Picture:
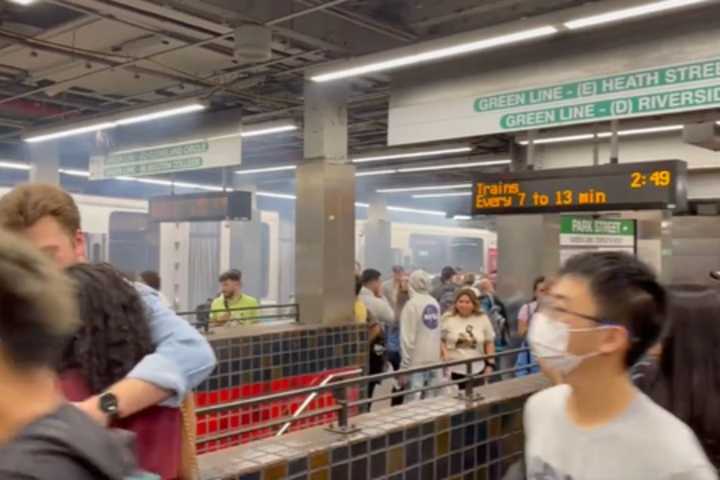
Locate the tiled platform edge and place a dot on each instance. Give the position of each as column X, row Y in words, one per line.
column 441, row 438
column 261, row 360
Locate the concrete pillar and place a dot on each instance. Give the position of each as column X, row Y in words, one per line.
column 378, row 236
column 523, row 254
column 325, row 211
column 654, row 240
column 45, row 161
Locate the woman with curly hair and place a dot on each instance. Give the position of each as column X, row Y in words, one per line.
column 113, row 337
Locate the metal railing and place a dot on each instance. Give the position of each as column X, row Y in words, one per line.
column 206, row 319
column 342, row 407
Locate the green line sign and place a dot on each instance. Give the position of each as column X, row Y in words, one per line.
column 163, row 159
column 654, row 91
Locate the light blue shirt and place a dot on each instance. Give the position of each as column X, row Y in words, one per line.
column 182, row 359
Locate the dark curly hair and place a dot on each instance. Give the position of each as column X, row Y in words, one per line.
column 114, row 334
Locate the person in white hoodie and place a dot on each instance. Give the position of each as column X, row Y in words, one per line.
column 421, row 335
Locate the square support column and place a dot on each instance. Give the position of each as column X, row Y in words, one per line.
column 378, row 236
column 325, row 211
column 45, row 161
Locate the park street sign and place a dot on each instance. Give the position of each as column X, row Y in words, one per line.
column 168, row 158
column 662, row 90
column 626, row 186
column 587, row 234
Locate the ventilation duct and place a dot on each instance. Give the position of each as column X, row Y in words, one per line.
column 253, row 44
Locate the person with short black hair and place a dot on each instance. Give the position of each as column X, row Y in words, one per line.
column 152, row 279
column 602, row 313
column 380, row 311
column 229, row 304
column 41, row 436
column 445, row 292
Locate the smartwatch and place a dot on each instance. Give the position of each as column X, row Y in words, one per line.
column 108, row 404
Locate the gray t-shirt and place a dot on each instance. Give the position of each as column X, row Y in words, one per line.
column 644, row 443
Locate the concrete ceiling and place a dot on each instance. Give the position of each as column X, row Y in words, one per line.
column 63, row 60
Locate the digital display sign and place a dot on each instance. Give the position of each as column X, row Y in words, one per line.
column 627, row 186
column 202, row 207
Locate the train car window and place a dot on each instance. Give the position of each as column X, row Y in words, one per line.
column 429, row 252
column 468, row 253
column 264, row 259
column 133, row 242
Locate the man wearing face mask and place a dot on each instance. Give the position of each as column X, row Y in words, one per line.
column 605, row 310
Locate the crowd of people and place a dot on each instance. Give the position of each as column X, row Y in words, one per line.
column 416, row 320
column 96, row 371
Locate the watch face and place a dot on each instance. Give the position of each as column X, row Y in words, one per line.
column 109, row 403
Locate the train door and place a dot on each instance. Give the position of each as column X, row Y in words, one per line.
column 133, row 242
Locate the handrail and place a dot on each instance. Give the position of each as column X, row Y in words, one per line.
column 352, row 382
column 312, row 396
column 342, row 407
column 257, row 307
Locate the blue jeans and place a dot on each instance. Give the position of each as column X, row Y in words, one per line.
column 420, row 380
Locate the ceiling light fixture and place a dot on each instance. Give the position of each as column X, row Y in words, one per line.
column 253, row 171
column 15, row 166
column 436, row 54
column 462, row 217
column 268, row 131
column 590, row 136
column 22, row 2
column 627, row 13
column 436, row 213
column 427, row 153
column 443, row 195
column 429, row 188
column 119, row 119
column 75, row 173
column 372, row 173
column 454, row 166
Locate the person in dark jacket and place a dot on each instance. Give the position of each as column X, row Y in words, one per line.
column 42, row 437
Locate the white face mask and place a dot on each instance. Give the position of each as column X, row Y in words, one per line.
column 549, row 340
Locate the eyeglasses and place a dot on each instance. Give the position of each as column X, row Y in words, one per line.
column 551, row 307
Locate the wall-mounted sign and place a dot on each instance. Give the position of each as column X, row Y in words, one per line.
column 656, row 91
column 168, row 158
column 585, row 234
column 202, row 207
column 629, row 186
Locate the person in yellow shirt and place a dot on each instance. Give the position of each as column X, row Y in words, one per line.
column 225, row 306
column 361, row 313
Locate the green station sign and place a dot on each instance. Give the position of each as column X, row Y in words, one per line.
column 583, row 234
column 652, row 91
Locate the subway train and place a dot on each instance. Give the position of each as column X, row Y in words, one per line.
column 118, row 230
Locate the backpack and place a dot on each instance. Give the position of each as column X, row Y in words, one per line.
column 202, row 315
column 498, row 321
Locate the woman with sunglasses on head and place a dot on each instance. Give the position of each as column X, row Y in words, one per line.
column 467, row 333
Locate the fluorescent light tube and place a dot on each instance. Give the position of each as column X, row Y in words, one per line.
column 15, row 166
column 70, row 132
column 195, row 107
column 590, row 136
column 428, row 153
column 362, row 205
column 284, row 196
column 443, row 195
column 75, row 173
column 425, row 189
column 372, row 173
column 106, row 122
column 462, row 217
column 268, row 131
column 22, row 2
column 627, row 13
column 435, row 213
column 266, row 170
column 454, row 166
column 437, row 54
